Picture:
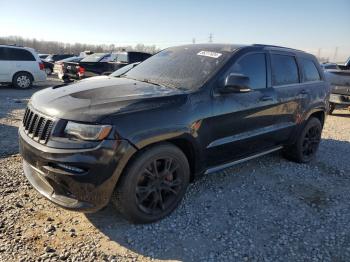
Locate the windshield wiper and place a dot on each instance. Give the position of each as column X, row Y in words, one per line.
column 145, row 80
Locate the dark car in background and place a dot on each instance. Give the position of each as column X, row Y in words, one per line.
column 50, row 60
column 101, row 64
column 138, row 139
column 339, row 77
column 59, row 66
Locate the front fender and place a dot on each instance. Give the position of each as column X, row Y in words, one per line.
column 185, row 138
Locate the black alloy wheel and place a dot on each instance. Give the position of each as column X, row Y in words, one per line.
column 153, row 183
column 158, row 185
column 305, row 148
column 311, row 141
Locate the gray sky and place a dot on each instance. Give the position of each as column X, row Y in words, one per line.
column 314, row 26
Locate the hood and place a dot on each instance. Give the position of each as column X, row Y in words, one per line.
column 93, row 98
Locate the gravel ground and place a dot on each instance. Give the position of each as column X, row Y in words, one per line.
column 267, row 209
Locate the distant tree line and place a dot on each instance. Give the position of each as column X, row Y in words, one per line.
column 55, row 47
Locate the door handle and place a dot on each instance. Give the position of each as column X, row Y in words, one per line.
column 266, row 98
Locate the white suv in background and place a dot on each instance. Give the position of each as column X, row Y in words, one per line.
column 20, row 66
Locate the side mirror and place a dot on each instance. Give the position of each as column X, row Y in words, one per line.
column 236, row 83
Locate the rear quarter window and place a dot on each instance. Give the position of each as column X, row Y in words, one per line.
column 309, row 69
column 284, row 70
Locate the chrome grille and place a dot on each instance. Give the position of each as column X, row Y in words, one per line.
column 37, row 126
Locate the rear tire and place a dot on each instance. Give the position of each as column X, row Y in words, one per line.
column 153, row 184
column 22, row 80
column 305, row 148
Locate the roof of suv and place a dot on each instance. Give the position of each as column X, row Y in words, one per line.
column 19, row 47
column 233, row 47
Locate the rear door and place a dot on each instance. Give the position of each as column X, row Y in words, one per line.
column 312, row 83
column 244, row 123
column 292, row 94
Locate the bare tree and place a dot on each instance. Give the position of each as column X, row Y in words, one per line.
column 54, row 47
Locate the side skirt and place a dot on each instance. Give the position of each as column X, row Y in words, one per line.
column 217, row 168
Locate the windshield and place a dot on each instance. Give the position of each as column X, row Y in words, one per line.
column 94, row 57
column 123, row 70
column 183, row 67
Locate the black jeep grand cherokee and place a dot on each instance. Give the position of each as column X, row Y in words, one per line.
column 140, row 138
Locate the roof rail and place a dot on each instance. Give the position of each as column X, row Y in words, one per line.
column 276, row 46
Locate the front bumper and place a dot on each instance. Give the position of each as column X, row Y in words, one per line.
column 86, row 191
column 339, row 99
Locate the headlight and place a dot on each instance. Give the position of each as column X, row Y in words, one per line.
column 87, row 132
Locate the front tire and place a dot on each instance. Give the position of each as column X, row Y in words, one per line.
column 22, row 80
column 153, row 184
column 305, row 148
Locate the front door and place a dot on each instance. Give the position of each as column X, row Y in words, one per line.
column 243, row 123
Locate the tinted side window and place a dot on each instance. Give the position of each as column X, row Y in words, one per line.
column 2, row 53
column 14, row 54
column 253, row 66
column 284, row 70
column 60, row 57
column 135, row 57
column 310, row 71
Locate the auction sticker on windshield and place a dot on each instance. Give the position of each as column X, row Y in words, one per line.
column 209, row 54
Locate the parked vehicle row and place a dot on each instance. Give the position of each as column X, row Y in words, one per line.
column 20, row 66
column 50, row 60
column 339, row 77
column 100, row 64
column 21, row 71
column 140, row 136
column 59, row 65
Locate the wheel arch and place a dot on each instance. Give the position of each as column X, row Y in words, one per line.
column 22, row 71
column 190, row 151
column 320, row 114
column 185, row 143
